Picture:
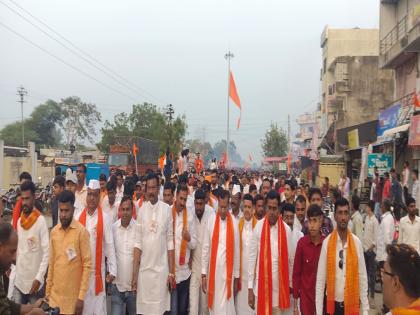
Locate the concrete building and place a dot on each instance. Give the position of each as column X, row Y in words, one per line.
column 399, row 33
column 353, row 87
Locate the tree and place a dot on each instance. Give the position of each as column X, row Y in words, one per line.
column 274, row 142
column 205, row 149
column 40, row 127
column 219, row 149
column 148, row 121
column 79, row 120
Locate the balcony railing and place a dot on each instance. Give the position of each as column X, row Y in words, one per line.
column 394, row 36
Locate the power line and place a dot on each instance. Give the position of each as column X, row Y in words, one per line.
column 65, row 62
column 111, row 73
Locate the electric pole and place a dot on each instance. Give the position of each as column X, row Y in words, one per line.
column 21, row 92
column 169, row 116
column 228, row 56
column 288, row 131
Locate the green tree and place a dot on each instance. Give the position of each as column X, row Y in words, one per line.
column 40, row 127
column 274, row 142
column 148, row 121
column 219, row 149
column 79, row 120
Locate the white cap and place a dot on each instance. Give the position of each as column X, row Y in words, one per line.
column 70, row 176
column 94, row 184
column 236, row 189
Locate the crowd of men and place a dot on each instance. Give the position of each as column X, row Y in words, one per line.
column 211, row 243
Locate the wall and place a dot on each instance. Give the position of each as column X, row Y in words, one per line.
column 12, row 167
column 370, row 90
column 332, row 171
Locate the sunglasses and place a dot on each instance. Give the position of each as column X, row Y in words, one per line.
column 341, row 256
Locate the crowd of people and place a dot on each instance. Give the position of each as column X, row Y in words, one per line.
column 213, row 242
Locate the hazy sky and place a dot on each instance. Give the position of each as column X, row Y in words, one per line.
column 175, row 50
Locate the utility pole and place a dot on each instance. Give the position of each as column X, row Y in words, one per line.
column 288, row 131
column 169, row 116
column 21, row 92
column 228, row 56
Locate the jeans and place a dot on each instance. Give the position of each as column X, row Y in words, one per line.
column 119, row 298
column 20, row 298
column 371, row 271
column 180, row 298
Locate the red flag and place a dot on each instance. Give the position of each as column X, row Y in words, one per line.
column 224, row 158
column 135, row 150
column 416, row 100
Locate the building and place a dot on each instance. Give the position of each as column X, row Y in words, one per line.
column 399, row 40
column 353, row 87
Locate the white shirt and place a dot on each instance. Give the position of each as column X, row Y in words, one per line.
column 124, row 239
column 254, row 258
column 111, row 211
column 154, row 237
column 237, row 217
column 370, row 232
column 81, row 197
column 385, row 235
column 296, row 236
column 340, row 275
column 120, row 193
column 200, row 229
column 183, row 272
column 405, row 177
column 409, row 232
column 246, row 189
column 108, row 249
column 32, row 254
column 357, row 226
column 414, row 189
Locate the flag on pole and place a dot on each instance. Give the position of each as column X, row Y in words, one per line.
column 233, row 94
column 135, row 150
column 416, row 100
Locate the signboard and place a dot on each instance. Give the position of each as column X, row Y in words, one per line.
column 414, row 133
column 388, row 119
column 283, row 166
column 353, row 139
column 382, row 161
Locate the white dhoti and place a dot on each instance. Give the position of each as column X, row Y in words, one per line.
column 94, row 304
column 198, row 300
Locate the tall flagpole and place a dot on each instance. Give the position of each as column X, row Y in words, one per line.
column 228, row 57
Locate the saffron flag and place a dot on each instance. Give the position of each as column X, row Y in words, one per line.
column 135, row 150
column 416, row 99
column 233, row 94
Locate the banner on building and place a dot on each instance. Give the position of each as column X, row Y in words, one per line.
column 353, row 139
column 414, row 133
column 388, row 118
column 380, row 160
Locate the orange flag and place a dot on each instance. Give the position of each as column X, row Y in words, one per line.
column 233, row 94
column 135, row 150
column 416, row 100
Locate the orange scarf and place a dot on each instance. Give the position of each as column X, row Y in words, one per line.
column 241, row 228
column 183, row 251
column 98, row 255
column 265, row 285
column 351, row 287
column 413, row 309
column 230, row 244
column 140, row 202
column 26, row 222
column 16, row 213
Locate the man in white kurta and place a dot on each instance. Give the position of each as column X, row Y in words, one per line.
column 198, row 300
column 96, row 303
column 153, row 266
column 221, row 305
column 275, row 219
column 246, row 226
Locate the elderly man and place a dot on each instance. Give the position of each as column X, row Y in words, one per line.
column 99, row 227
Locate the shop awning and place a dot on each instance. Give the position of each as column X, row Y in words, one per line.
column 393, row 131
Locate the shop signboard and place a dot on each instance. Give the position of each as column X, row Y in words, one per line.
column 414, row 134
column 380, row 160
column 388, row 119
column 353, row 138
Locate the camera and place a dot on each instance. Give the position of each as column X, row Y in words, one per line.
column 50, row 310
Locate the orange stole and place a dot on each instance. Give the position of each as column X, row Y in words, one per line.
column 241, row 228
column 351, row 287
column 230, row 243
column 413, row 309
column 183, row 251
column 265, row 285
column 16, row 213
column 99, row 242
column 26, row 222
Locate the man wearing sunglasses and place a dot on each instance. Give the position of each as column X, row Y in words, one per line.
column 341, row 269
column 401, row 279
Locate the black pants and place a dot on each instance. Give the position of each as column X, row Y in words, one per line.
column 180, row 298
column 339, row 308
column 371, row 271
